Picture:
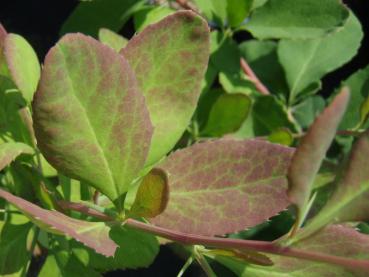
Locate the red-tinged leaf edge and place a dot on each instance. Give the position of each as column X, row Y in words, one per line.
column 98, row 240
column 309, row 155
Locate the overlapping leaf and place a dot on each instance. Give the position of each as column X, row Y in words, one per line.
column 23, row 64
column 356, row 114
column 334, row 240
column 112, row 39
column 169, row 59
column 349, row 202
column 311, row 151
column 297, row 19
column 93, row 234
column 221, row 186
column 152, row 195
column 306, row 61
column 11, row 150
column 90, row 119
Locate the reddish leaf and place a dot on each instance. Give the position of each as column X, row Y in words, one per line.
column 90, row 119
column 334, row 240
column 169, row 59
column 93, row 234
column 310, row 153
column 223, row 186
column 350, row 200
column 3, row 34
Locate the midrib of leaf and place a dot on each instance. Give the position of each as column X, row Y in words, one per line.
column 102, row 153
column 227, row 188
column 302, row 71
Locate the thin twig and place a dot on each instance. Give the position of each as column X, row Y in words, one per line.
column 228, row 243
column 185, row 266
column 253, row 78
column 262, row 246
column 80, row 207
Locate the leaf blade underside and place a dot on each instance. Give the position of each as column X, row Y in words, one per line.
column 93, row 234
column 11, row 150
column 311, row 151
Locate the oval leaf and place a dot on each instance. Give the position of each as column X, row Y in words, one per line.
column 152, row 195
column 23, row 64
column 90, row 120
column 349, row 202
column 93, row 234
column 297, row 19
column 11, row 150
column 222, row 186
column 169, row 59
column 310, row 153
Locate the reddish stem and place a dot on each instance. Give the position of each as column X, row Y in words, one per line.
column 186, row 5
column 253, row 78
column 223, row 243
column 262, row 246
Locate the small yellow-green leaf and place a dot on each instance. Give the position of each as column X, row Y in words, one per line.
column 152, row 195
column 112, row 39
column 281, row 136
column 23, row 64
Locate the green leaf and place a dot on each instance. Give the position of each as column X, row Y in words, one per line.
column 112, row 39
column 11, row 150
column 267, row 115
column 311, row 151
column 349, row 201
column 227, row 114
column 214, row 10
column 237, row 11
column 4, row 71
column 60, row 264
column 89, row 17
column 23, row 64
column 14, row 254
column 359, row 87
column 281, row 136
column 93, row 234
column 262, row 58
column 150, row 15
column 136, row 249
column 335, row 240
column 297, row 19
column 152, row 195
column 169, row 59
column 306, row 111
column 305, row 62
column 89, row 117
column 222, row 178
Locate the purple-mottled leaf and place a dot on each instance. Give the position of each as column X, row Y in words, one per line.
column 334, row 240
column 350, row 200
column 90, row 119
column 11, row 150
column 23, row 64
column 152, row 195
column 93, row 234
column 222, row 186
column 310, row 153
column 169, row 59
